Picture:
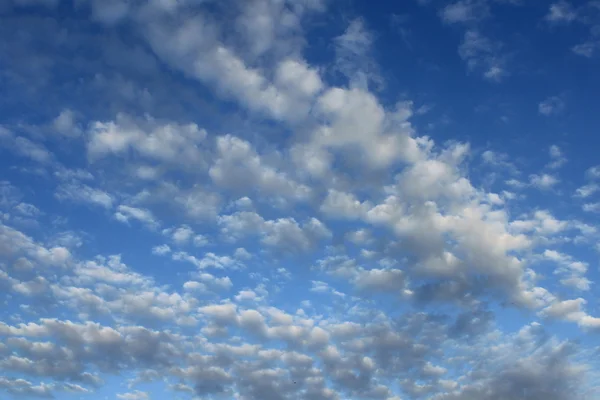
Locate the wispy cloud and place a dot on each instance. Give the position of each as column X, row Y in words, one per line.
column 482, row 54
column 561, row 11
column 465, row 11
column 551, row 106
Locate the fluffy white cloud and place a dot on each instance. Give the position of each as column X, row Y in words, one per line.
column 283, row 234
column 350, row 255
column 344, row 205
column 573, row 271
column 376, row 348
column 543, row 181
column 571, row 310
column 22, row 387
column 357, row 122
column 239, row 167
column 16, row 244
column 198, row 52
column 161, row 250
column 183, row 235
column 379, row 280
column 168, row 142
column 195, row 202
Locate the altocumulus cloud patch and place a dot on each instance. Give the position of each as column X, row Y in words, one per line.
column 309, row 199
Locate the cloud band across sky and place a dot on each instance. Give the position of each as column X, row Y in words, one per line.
column 273, row 200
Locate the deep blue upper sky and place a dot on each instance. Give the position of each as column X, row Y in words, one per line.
column 299, row 199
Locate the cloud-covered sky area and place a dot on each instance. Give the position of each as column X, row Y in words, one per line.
column 299, row 199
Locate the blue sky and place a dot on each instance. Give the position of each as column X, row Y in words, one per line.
column 309, row 199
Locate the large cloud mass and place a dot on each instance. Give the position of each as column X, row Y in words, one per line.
column 234, row 200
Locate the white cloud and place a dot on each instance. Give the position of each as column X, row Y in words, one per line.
column 65, row 124
column 184, row 234
column 195, row 202
column 27, row 210
column 593, row 172
column 569, row 310
column 542, row 222
column 125, row 213
column 573, row 271
column 240, row 224
column 543, row 181
column 198, row 52
column 66, row 174
column 243, row 204
column 353, row 58
column 360, row 237
column 287, row 235
column 405, row 219
column 136, row 395
column 499, row 160
column 68, row 239
column 181, row 235
column 464, row 11
column 81, row 193
column 161, row 249
column 200, row 241
column 210, row 260
column 246, row 295
column 551, row 106
column 297, row 76
column 481, row 53
column 283, row 234
column 212, row 281
column 22, row 387
column 557, row 156
column 561, row 11
column 166, row 142
column 586, row 49
column 587, row 190
column 15, row 244
column 272, row 27
column 239, row 167
column 356, row 122
column 9, row 194
column 35, row 151
column 592, row 207
column 378, row 280
column 242, row 254
column 344, row 205
column 312, row 160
